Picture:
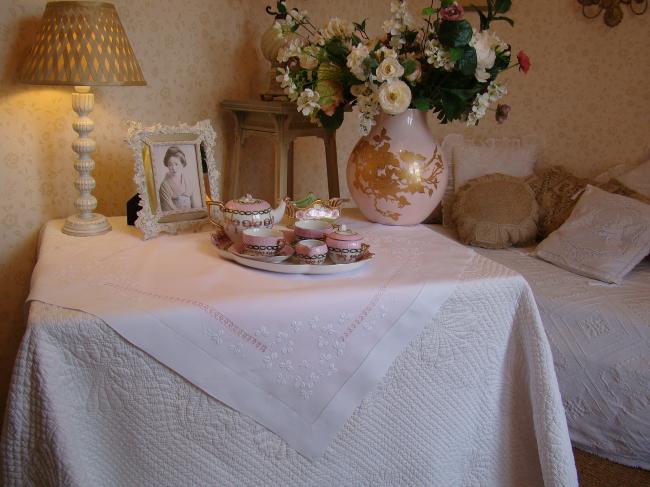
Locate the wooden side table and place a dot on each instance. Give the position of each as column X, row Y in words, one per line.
column 280, row 121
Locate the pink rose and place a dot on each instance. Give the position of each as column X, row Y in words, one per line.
column 454, row 12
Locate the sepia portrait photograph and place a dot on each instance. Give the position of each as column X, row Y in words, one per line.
column 177, row 173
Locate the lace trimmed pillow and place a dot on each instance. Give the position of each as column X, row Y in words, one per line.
column 470, row 159
column 604, row 238
column 495, row 212
column 556, row 191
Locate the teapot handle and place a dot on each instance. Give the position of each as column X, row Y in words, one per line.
column 210, row 202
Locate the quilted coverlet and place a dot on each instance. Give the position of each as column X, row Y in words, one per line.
column 473, row 400
column 600, row 339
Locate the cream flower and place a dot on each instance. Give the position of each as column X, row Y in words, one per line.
column 438, row 55
column 308, row 58
column 293, row 49
column 308, row 102
column 355, row 61
column 486, row 44
column 386, row 52
column 394, row 97
column 337, row 28
column 389, row 69
column 358, row 90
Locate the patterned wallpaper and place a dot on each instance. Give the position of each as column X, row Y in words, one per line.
column 586, row 95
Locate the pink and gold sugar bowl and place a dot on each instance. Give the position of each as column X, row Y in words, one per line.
column 345, row 246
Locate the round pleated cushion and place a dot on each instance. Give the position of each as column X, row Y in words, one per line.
column 495, row 212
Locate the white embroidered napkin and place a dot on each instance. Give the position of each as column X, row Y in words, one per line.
column 295, row 352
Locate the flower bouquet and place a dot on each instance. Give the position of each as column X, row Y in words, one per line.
column 444, row 65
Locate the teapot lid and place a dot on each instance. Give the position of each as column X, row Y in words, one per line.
column 346, row 234
column 248, row 203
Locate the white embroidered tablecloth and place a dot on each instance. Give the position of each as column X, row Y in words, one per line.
column 472, row 401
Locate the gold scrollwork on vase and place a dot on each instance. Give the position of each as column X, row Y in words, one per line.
column 380, row 174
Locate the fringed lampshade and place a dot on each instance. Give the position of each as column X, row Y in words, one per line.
column 82, row 44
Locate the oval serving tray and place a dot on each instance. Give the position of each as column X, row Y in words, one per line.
column 291, row 267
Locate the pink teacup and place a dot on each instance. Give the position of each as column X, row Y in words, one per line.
column 311, row 251
column 312, row 229
column 263, row 242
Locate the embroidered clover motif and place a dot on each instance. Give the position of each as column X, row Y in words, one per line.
column 215, row 335
column 269, row 360
column 262, row 331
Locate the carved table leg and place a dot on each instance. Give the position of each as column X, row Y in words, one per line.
column 236, row 159
column 282, row 144
column 290, row 169
column 329, row 139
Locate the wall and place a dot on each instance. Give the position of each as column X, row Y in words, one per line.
column 586, row 95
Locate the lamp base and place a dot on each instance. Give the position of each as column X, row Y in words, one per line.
column 86, row 227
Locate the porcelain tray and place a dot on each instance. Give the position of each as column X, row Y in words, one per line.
column 290, row 266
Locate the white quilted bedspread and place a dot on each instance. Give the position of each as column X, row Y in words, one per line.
column 600, row 339
column 472, row 401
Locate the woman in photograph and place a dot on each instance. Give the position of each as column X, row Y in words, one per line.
column 175, row 192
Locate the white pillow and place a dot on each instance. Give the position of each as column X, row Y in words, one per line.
column 471, row 159
column 638, row 179
column 604, row 238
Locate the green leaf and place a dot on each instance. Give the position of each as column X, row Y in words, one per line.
column 467, row 64
column 455, row 34
column 422, row 104
column 409, row 66
column 410, row 36
column 456, row 53
column 507, row 19
column 360, row 27
column 428, row 11
column 452, row 105
column 446, row 3
column 281, row 8
column 371, row 63
column 502, row 6
column 334, row 122
column 464, row 95
column 337, row 51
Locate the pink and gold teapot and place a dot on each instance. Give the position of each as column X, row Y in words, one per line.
column 235, row 216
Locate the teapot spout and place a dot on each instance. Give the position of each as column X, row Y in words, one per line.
column 278, row 213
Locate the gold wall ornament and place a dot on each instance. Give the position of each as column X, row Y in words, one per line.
column 383, row 175
column 613, row 10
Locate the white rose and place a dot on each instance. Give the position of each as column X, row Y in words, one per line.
column 389, row 69
column 355, row 61
column 338, row 28
column 394, row 97
column 484, row 43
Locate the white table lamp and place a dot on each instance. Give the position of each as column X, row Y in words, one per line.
column 82, row 44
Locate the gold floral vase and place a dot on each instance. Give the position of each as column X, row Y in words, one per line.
column 396, row 173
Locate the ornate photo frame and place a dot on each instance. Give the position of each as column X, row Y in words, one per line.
column 171, row 163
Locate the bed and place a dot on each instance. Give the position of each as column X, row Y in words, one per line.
column 600, row 340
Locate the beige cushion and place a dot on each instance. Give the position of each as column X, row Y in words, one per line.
column 470, row 159
column 604, row 238
column 495, row 211
column 557, row 192
column 616, row 187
